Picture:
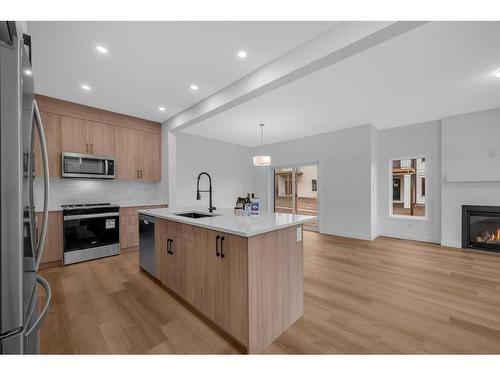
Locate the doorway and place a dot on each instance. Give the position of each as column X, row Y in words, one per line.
column 296, row 192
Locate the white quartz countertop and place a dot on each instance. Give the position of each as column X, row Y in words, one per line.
column 226, row 221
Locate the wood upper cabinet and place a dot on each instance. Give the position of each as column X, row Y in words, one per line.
column 101, row 139
column 149, row 156
column 126, row 148
column 137, row 154
column 135, row 143
column 75, row 135
column 87, row 137
column 52, row 129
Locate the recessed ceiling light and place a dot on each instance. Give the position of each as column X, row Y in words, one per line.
column 28, row 72
column 497, row 74
column 242, row 54
column 101, row 49
column 85, row 87
column 161, row 109
column 193, row 87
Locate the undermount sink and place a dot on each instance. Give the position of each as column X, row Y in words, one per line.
column 194, row 215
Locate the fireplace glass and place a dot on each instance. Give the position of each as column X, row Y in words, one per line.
column 482, row 227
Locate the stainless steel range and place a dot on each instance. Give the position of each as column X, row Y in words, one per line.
column 91, row 231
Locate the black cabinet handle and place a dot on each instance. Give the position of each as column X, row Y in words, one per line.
column 217, row 246
column 171, row 247
column 222, row 255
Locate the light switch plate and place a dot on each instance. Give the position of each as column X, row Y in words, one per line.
column 299, row 234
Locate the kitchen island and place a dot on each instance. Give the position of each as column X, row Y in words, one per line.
column 244, row 273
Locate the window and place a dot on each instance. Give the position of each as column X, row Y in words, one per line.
column 408, row 187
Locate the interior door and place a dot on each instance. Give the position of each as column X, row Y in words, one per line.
column 232, row 291
column 75, row 135
column 126, row 153
column 102, row 139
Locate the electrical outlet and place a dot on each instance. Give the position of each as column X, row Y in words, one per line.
column 299, row 234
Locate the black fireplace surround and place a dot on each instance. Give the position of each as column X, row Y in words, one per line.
column 481, row 228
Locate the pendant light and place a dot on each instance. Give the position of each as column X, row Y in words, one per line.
column 261, row 160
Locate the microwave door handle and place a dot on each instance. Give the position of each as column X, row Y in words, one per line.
column 45, row 161
column 106, row 163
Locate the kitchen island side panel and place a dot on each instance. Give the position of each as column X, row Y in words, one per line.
column 276, row 285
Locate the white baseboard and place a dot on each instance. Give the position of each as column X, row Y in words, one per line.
column 451, row 244
column 411, row 237
column 356, row 236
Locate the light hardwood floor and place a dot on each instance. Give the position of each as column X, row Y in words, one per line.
column 384, row 296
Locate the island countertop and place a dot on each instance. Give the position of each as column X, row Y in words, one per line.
column 225, row 220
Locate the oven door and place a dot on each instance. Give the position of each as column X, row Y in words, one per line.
column 91, row 231
column 87, row 166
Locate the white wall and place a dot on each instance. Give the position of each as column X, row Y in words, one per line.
column 471, row 159
column 344, row 177
column 229, row 165
column 420, row 140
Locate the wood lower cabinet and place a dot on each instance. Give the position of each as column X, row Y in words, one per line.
column 231, row 312
column 53, row 249
column 209, row 270
column 252, row 288
column 129, row 226
column 173, row 252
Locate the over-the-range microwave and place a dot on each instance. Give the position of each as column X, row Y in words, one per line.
column 87, row 166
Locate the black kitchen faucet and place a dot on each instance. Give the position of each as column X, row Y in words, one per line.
column 209, row 191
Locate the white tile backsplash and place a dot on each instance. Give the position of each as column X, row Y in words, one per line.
column 123, row 193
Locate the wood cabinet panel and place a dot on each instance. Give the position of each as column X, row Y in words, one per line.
column 162, row 257
column 75, row 135
column 52, row 128
column 129, row 225
column 204, row 266
column 126, row 153
column 181, row 248
column 275, row 285
column 232, row 287
column 102, row 139
column 149, row 156
column 53, row 249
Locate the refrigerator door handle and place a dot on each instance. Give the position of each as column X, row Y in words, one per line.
column 45, row 309
column 45, row 161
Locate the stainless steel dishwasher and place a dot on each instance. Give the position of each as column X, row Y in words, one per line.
column 147, row 257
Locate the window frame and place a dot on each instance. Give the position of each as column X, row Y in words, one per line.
column 427, row 176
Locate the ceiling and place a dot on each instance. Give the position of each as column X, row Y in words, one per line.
column 436, row 70
column 152, row 64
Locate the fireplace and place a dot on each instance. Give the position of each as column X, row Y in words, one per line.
column 481, row 228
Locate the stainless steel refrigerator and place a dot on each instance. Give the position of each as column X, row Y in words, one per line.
column 21, row 243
